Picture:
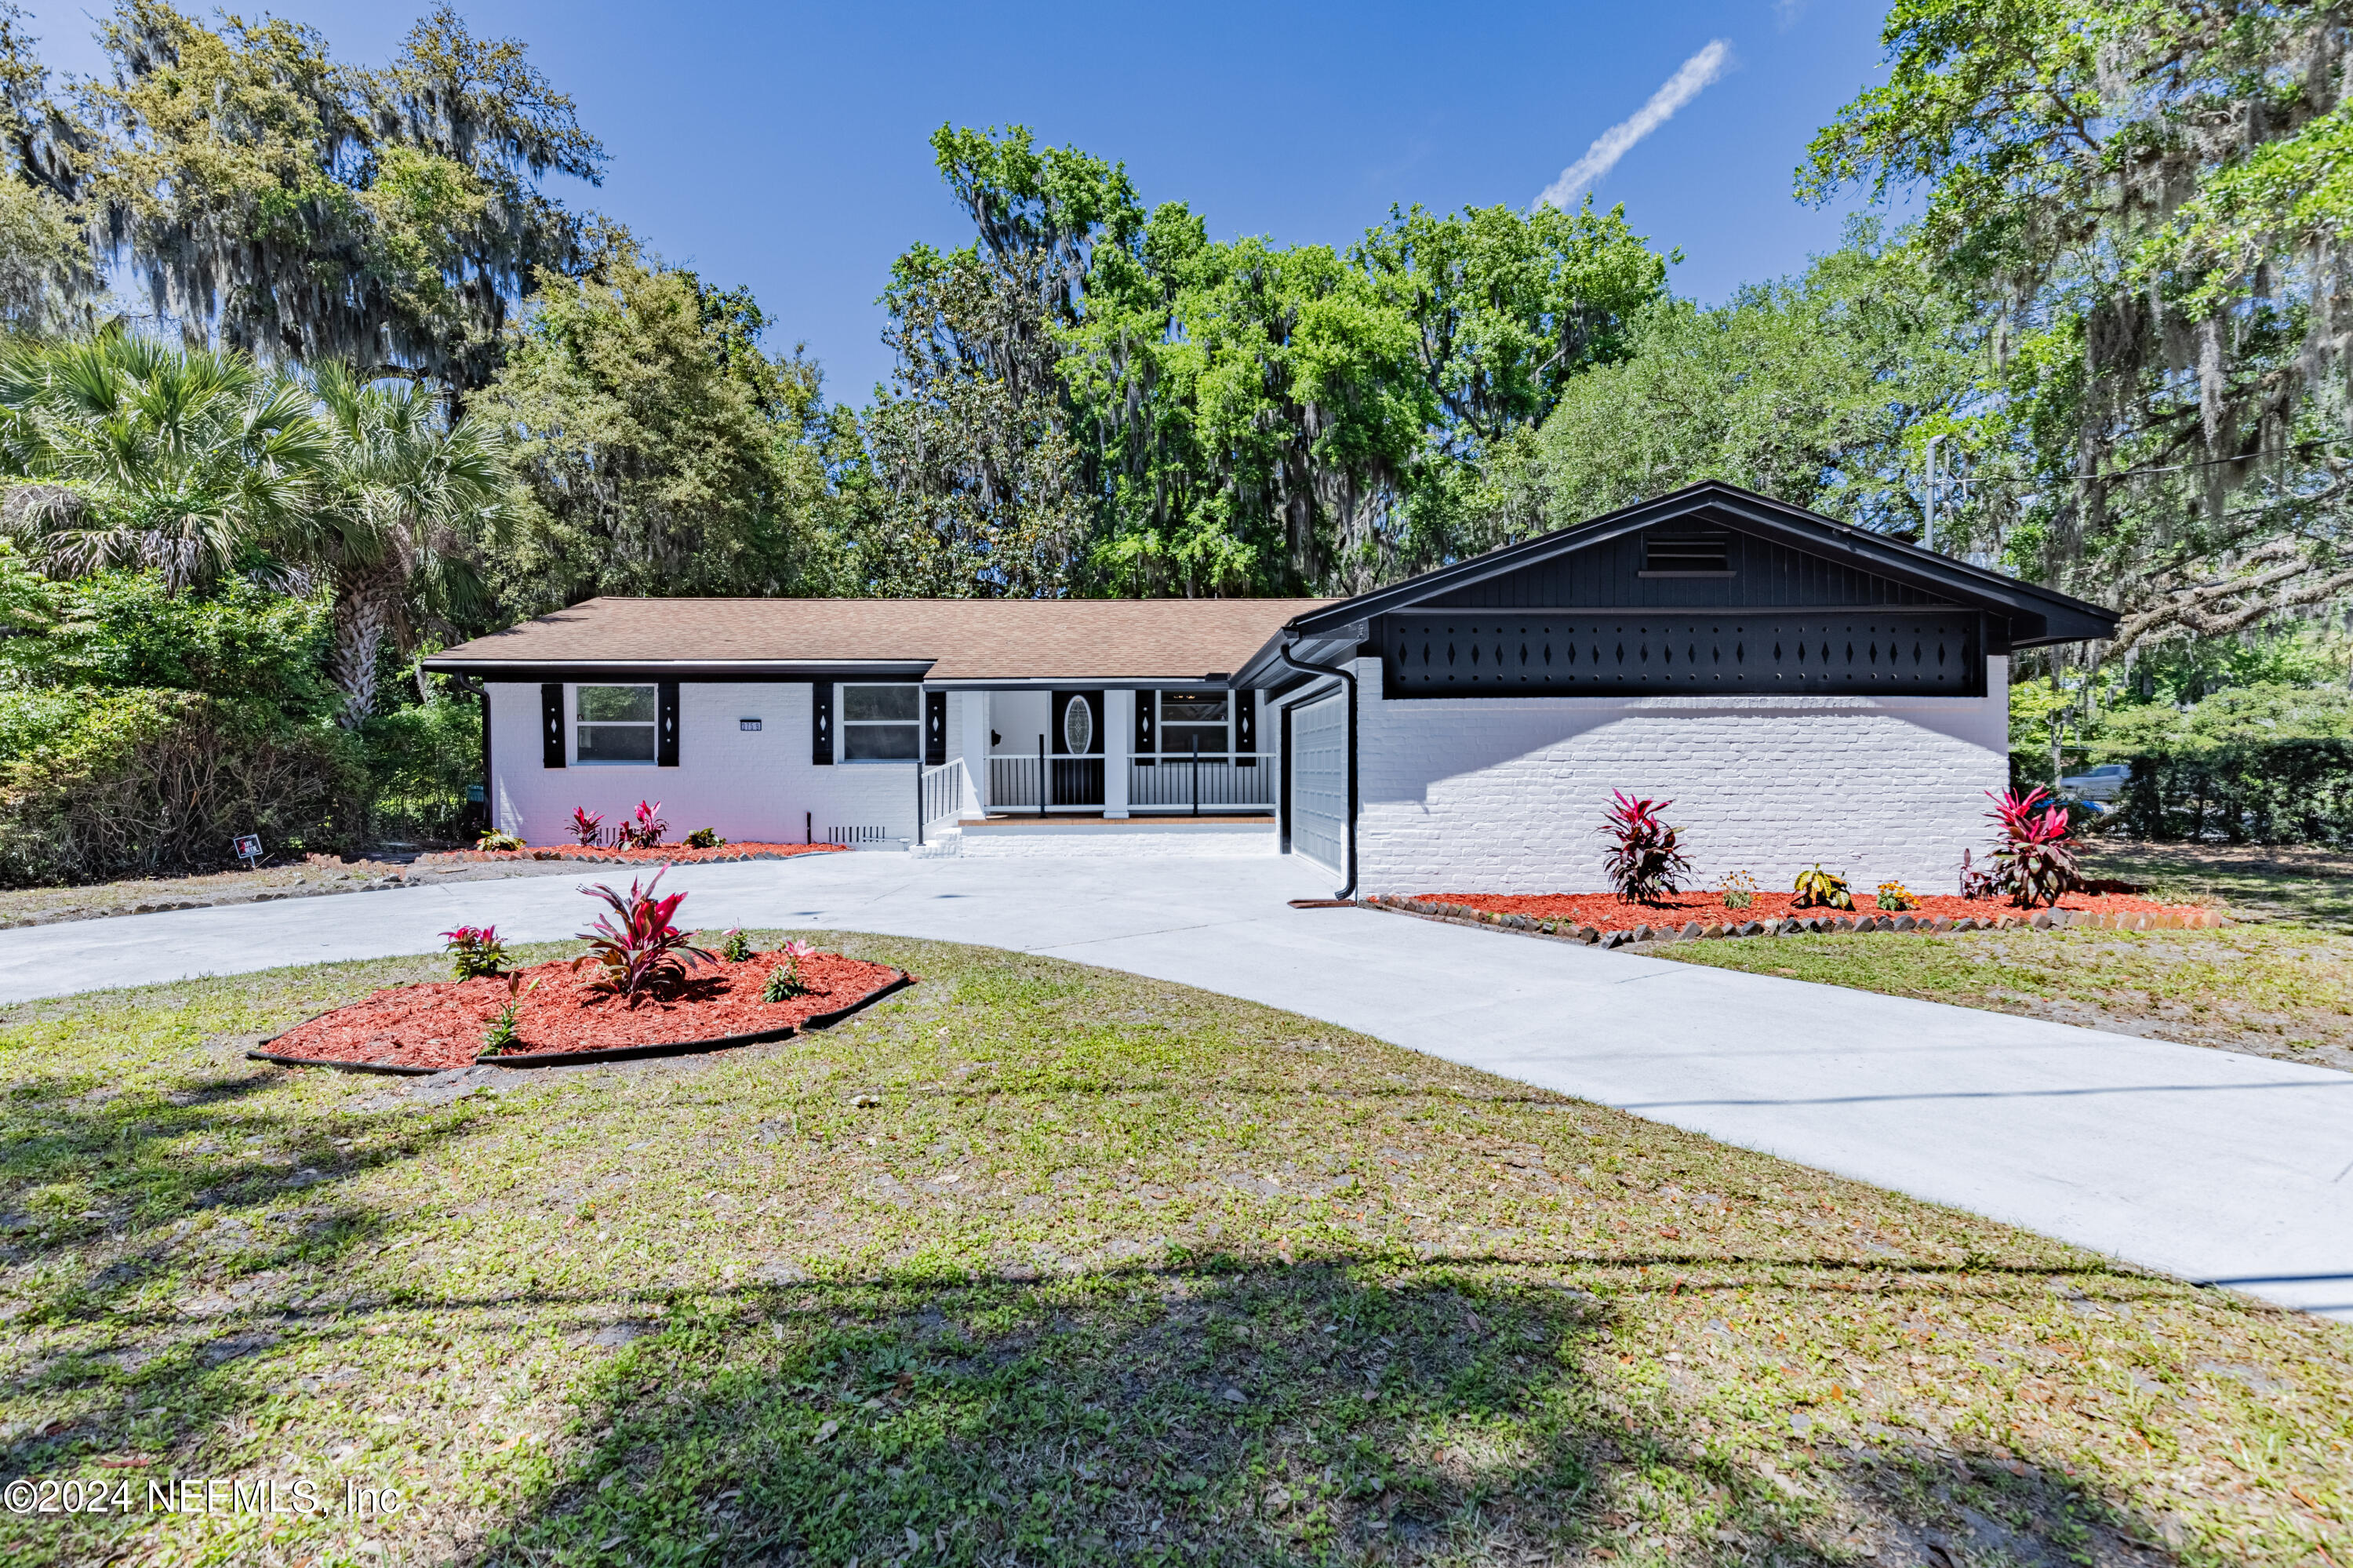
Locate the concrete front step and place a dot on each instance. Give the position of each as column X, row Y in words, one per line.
column 1131, row 838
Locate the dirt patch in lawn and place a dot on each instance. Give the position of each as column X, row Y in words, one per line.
column 1607, row 912
column 439, row 1024
column 149, row 895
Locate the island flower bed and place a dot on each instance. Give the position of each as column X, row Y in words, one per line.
column 660, row 854
column 439, row 1025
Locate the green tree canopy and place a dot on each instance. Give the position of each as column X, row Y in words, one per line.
column 658, row 449
column 123, row 452
column 1166, row 413
column 2148, row 201
column 308, row 210
column 1819, row 390
column 47, row 279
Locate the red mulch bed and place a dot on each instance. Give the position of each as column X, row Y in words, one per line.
column 663, row 854
column 439, row 1024
column 1606, row 911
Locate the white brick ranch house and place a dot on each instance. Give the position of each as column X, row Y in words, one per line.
column 1803, row 691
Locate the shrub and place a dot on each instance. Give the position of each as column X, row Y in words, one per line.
column 1819, row 889
column 734, row 946
column 423, row 758
column 475, row 951
column 491, row 839
column 786, row 981
column 2270, row 763
column 107, row 784
column 644, row 951
column 1643, row 862
column 125, row 629
column 643, row 831
column 705, row 838
column 588, row 826
column 1895, row 895
column 2036, row 855
column 1739, row 890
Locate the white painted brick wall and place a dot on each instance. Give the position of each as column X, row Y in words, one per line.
column 1502, row 795
column 754, row 787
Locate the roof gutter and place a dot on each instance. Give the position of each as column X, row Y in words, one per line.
column 1347, row 678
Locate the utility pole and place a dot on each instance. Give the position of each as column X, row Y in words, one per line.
column 1929, row 537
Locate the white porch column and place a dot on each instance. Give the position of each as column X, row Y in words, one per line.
column 1119, row 723
column 971, row 711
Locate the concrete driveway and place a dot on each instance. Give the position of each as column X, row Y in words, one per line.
column 2220, row 1167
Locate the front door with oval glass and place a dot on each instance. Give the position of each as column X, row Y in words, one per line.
column 1078, row 765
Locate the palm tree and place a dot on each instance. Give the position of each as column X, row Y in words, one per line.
column 128, row 452
column 411, row 492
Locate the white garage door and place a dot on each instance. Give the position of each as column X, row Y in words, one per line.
column 1319, row 782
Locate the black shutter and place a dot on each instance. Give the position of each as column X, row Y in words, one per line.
column 1146, row 721
column 666, row 724
column 551, row 725
column 935, row 728
column 1245, row 727
column 821, row 723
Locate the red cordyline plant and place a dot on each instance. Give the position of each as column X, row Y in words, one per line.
column 635, row 949
column 645, row 829
column 1643, row 862
column 475, row 951
column 586, row 825
column 2036, row 857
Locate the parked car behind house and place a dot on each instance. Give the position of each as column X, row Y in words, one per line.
column 2104, row 783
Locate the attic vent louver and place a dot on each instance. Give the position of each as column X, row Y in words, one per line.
column 1687, row 553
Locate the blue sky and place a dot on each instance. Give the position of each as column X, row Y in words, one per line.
column 783, row 146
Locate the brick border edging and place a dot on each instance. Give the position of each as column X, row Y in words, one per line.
column 685, row 856
column 1841, row 923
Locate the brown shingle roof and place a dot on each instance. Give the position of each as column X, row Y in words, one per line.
column 959, row 638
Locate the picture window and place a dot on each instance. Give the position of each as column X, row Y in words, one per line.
column 614, row 724
column 881, row 724
column 1187, row 717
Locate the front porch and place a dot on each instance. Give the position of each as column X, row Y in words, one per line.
column 1023, row 771
column 1113, row 752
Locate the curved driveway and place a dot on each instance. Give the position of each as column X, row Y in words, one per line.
column 2218, row 1167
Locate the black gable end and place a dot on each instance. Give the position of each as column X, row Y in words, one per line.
column 1692, row 563
column 1807, row 561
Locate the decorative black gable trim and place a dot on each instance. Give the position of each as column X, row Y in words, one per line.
column 1796, row 652
column 1784, row 557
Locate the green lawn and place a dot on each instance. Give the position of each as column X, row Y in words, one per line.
column 2301, row 884
column 1109, row 1271
column 2278, row 990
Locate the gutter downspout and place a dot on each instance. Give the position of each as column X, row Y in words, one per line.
column 1348, row 679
